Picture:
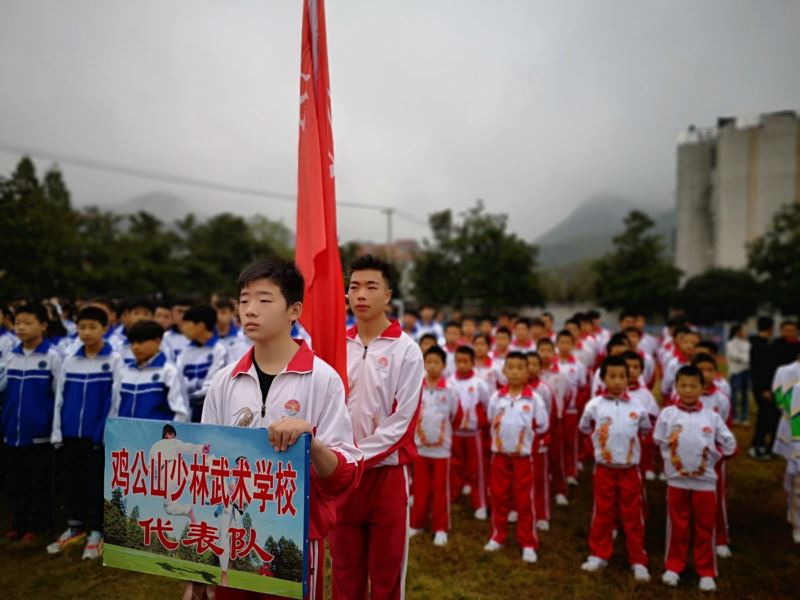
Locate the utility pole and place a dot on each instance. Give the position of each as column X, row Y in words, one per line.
column 389, row 212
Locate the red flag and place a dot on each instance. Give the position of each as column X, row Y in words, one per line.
column 317, row 247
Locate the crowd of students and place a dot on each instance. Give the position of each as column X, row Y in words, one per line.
column 511, row 412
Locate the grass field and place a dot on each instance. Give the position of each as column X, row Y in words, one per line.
column 765, row 564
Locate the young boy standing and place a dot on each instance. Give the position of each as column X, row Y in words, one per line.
column 467, row 463
column 369, row 545
column 86, row 386
column 560, row 384
column 540, row 461
column 574, row 402
column 29, row 379
column 439, row 415
column 615, row 423
column 282, row 386
column 692, row 440
column 642, row 394
column 515, row 417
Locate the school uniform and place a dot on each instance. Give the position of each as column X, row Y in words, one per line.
column 787, row 399
column 716, row 400
column 540, row 461
column 515, row 421
column 236, row 342
column 309, row 389
column 644, row 396
column 84, row 396
column 692, row 442
column 29, row 380
column 176, row 342
column 574, row 402
column 560, row 384
column 198, row 364
column 440, row 413
column 153, row 390
column 369, row 544
column 467, row 464
column 615, row 425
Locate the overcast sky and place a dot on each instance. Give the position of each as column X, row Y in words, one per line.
column 533, row 106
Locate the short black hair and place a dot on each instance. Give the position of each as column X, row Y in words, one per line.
column 428, row 336
column 516, row 355
column 93, row 313
column 438, row 352
column 629, row 330
column 703, row 358
column 167, row 429
column 283, row 273
column 572, row 321
column 144, row 331
column 631, row 355
column 545, row 341
column 765, row 323
column 537, row 322
column 523, row 321
column 450, row 324
column 502, row 329
column 224, row 302
column 482, row 336
column 145, row 303
column 616, row 340
column 466, row 350
column 593, row 314
column 689, row 371
column 534, row 354
column 612, row 361
column 37, row 310
column 202, row 313
column 547, row 314
column 626, row 314
column 582, row 318
column 788, row 323
column 712, row 347
column 565, row 333
column 370, row 262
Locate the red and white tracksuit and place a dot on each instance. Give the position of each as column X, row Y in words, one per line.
column 439, row 413
column 540, row 454
column 644, row 396
column 369, row 544
column 573, row 406
column 692, row 441
column 718, row 401
column 467, row 462
column 514, row 422
column 560, row 384
column 309, row 389
column 615, row 425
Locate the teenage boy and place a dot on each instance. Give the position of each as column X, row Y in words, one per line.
column 369, row 544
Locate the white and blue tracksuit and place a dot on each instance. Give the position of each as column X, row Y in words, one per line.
column 8, row 341
column 29, row 384
column 176, row 342
column 236, row 342
column 85, row 392
column 198, row 365
column 153, row 391
column 126, row 352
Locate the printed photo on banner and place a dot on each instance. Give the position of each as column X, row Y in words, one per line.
column 205, row 503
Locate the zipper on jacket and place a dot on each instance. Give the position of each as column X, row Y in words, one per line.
column 365, row 353
column 83, row 407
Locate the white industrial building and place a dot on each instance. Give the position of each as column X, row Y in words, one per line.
column 732, row 179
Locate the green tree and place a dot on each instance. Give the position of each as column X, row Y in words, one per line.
column 636, row 273
column 287, row 562
column 475, row 259
column 775, row 260
column 720, row 295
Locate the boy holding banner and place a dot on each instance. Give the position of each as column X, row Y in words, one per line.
column 280, row 384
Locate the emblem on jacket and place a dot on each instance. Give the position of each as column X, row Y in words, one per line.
column 291, row 408
column 243, row 417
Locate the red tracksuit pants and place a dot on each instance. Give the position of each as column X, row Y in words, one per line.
column 689, row 510
column 369, row 544
column 570, row 435
column 316, row 588
column 617, row 497
column 431, row 487
column 466, row 467
column 555, row 451
column 541, row 485
column 723, row 535
column 650, row 456
column 512, row 489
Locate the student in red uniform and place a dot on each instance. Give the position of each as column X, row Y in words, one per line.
column 640, row 392
column 369, row 544
column 540, row 461
column 487, row 368
column 615, row 423
column 452, row 337
column 439, row 414
column 522, row 336
column 560, row 384
column 256, row 391
column 502, row 342
column 516, row 415
column 467, row 464
column 692, row 440
column 573, row 404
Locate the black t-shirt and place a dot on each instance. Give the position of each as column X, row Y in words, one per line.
column 264, row 382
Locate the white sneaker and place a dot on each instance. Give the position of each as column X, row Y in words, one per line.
column 662, row 476
column 440, row 538
column 593, row 563
column 640, row 573
column 529, row 555
column 615, row 534
column 412, row 532
column 572, row 481
column 671, row 578
column 466, row 490
column 492, row 546
column 724, row 551
column 481, row 514
column 94, row 546
column 513, row 516
column 707, row 584
column 70, row 536
column 649, row 475
column 561, row 500
column 796, row 536
column 543, row 525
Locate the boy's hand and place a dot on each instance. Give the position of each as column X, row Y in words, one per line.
column 285, row 432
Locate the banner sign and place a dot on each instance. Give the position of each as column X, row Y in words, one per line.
column 205, row 503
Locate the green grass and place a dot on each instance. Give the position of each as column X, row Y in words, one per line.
column 154, row 564
column 765, row 562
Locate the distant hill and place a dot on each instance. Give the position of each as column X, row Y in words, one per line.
column 587, row 233
column 167, row 207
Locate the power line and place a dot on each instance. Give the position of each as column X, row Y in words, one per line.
column 130, row 171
